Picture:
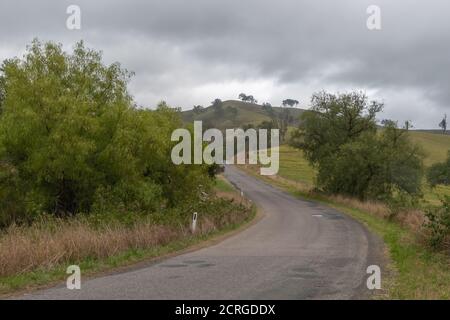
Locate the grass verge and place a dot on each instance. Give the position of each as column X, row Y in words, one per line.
column 418, row 272
column 43, row 252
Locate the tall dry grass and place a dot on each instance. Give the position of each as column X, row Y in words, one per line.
column 46, row 244
column 24, row 249
column 411, row 218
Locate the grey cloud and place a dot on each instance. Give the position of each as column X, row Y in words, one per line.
column 178, row 47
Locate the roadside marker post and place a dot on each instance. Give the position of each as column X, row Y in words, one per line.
column 194, row 222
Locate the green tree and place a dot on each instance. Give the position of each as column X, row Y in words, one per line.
column 443, row 124
column 247, row 98
column 290, row 103
column 439, row 173
column 408, row 125
column 339, row 137
column 218, row 107
column 243, row 97
column 198, row 109
column 72, row 141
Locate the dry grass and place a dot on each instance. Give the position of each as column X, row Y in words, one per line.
column 47, row 244
column 24, row 249
column 411, row 218
column 376, row 208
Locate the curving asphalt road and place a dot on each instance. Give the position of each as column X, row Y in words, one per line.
column 298, row 250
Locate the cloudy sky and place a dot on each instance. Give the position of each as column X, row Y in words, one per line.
column 191, row 51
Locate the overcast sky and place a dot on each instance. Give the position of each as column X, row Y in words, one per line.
column 191, row 51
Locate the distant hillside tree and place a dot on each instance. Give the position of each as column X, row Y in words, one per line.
column 408, row 125
column 243, row 97
column 443, row 124
column 198, row 109
column 217, row 106
column 388, row 122
column 284, row 118
column 267, row 107
column 216, row 103
column 290, row 103
column 247, row 98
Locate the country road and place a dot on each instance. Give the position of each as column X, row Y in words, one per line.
column 297, row 250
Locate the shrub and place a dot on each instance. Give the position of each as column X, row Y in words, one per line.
column 438, row 224
column 339, row 137
column 71, row 139
column 439, row 173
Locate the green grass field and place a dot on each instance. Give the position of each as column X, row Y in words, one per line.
column 434, row 145
column 294, row 166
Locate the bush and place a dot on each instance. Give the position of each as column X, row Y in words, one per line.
column 72, row 141
column 438, row 224
column 339, row 137
column 439, row 173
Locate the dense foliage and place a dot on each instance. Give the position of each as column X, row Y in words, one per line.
column 438, row 224
column 339, row 137
column 439, row 173
column 71, row 139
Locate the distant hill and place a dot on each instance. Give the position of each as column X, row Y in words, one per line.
column 436, row 145
column 236, row 114
column 434, row 131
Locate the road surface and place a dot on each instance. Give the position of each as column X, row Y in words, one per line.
column 297, row 250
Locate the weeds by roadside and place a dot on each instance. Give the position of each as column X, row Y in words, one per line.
column 49, row 244
column 419, row 271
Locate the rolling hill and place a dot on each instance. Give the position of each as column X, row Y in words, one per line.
column 236, row 114
column 436, row 145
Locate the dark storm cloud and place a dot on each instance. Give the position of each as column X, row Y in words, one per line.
column 192, row 51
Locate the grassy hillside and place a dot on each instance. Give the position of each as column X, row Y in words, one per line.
column 435, row 145
column 293, row 166
column 236, row 114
